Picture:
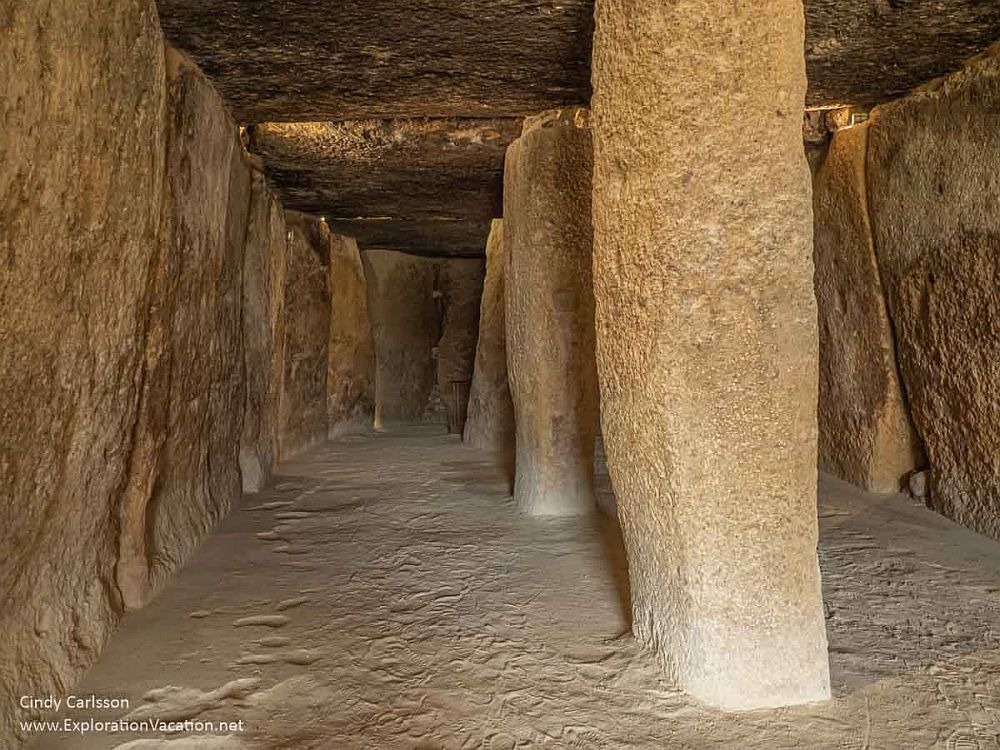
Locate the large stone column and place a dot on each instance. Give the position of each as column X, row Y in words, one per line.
column 550, row 313
column 706, row 340
column 490, row 425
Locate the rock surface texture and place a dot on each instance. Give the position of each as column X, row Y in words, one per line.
column 550, row 313
column 350, row 378
column 406, row 326
column 80, row 193
column 933, row 162
column 490, row 423
column 461, row 285
column 184, row 471
column 707, row 343
column 262, row 297
column 865, row 433
column 140, row 253
column 302, row 418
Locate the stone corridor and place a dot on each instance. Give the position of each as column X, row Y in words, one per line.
column 385, row 593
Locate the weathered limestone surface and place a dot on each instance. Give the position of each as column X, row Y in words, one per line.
column 707, row 342
column 933, row 177
column 184, row 472
column 865, row 434
column 350, row 380
column 81, row 140
column 550, row 313
column 490, row 423
column 302, row 420
column 461, row 285
column 262, row 293
column 406, row 327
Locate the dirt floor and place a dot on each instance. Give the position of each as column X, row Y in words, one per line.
column 385, row 594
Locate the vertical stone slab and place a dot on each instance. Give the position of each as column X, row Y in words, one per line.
column 81, row 109
column 865, row 433
column 184, row 472
column 302, row 421
column 550, row 313
column 707, row 343
column 256, row 447
column 350, row 389
column 461, row 285
column 277, row 272
column 406, row 328
column 490, row 424
column 933, row 166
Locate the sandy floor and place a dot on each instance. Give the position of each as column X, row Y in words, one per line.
column 385, row 594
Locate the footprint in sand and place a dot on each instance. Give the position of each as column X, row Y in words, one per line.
column 267, row 621
column 299, row 657
column 297, row 601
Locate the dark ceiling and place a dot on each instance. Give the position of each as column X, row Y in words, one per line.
column 480, row 66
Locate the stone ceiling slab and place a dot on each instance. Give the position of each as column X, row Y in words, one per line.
column 404, row 169
column 440, row 238
column 315, row 60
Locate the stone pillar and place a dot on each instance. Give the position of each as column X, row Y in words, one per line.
column 461, row 283
column 350, row 387
column 550, row 313
column 490, row 424
column 865, row 434
column 707, row 343
column 406, row 328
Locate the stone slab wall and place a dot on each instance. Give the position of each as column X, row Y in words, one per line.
column 264, row 257
column 933, row 177
column 184, row 471
column 302, row 420
column 82, row 142
column 865, row 434
column 350, row 382
column 139, row 254
column 406, row 326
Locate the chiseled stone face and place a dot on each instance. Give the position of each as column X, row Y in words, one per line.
column 80, row 199
column 550, row 313
column 490, row 424
column 707, row 343
column 865, row 434
column 406, row 328
column 933, row 161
